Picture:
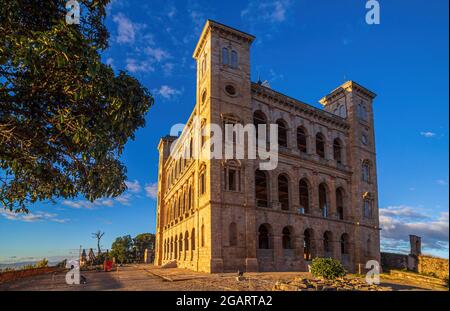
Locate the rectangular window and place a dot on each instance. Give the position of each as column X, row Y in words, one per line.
column 231, row 180
column 202, row 183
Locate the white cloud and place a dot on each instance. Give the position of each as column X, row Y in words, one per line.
column 168, row 68
column 167, row 92
column 126, row 30
column 134, row 65
column 87, row 204
column 428, row 134
column 157, row 53
column 32, row 217
column 124, row 199
column 133, row 186
column 151, row 190
column 401, row 211
column 398, row 222
column 266, row 11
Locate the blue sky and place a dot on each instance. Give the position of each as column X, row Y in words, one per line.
column 304, row 49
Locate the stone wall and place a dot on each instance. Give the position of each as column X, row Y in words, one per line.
column 9, row 276
column 433, row 266
column 426, row 265
column 393, row 261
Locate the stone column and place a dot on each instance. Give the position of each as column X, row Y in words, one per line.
column 332, row 199
column 278, row 255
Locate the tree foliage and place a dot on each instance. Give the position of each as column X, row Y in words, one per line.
column 327, row 268
column 141, row 242
column 65, row 116
column 126, row 249
column 122, row 249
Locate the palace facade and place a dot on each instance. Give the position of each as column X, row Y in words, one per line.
column 321, row 200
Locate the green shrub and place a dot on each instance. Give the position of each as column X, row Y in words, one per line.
column 42, row 264
column 327, row 268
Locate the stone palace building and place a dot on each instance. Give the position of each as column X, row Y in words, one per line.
column 321, row 200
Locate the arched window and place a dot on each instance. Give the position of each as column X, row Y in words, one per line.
column 301, row 140
column 282, row 133
column 233, row 234
column 186, row 241
column 283, row 191
column 259, row 118
column 175, row 251
column 367, row 208
column 180, row 243
column 191, row 149
column 234, row 59
column 189, row 203
column 304, row 196
column 225, row 56
column 340, row 203
column 307, row 246
column 202, row 236
column 344, row 244
column 261, row 188
column 365, row 171
column 320, row 145
column 181, row 205
column 202, row 182
column 337, row 150
column 327, row 243
column 264, row 237
column 287, row 244
column 193, row 240
column 323, row 201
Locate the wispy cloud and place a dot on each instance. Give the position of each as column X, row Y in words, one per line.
column 124, row 199
column 157, row 54
column 151, row 190
column 266, row 11
column 133, row 186
column 167, row 92
column 83, row 204
column 398, row 222
column 428, row 134
column 126, row 29
column 134, row 65
column 32, row 216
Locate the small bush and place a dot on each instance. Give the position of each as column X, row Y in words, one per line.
column 327, row 268
column 42, row 264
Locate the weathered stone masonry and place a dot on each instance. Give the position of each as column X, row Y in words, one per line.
column 321, row 200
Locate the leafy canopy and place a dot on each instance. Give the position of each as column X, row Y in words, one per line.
column 327, row 268
column 64, row 115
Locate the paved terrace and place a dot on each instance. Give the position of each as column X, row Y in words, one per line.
column 150, row 278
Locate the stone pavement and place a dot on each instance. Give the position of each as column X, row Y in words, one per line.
column 149, row 278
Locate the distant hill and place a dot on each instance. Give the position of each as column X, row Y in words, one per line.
column 18, row 265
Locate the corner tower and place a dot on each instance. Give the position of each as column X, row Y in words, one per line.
column 355, row 103
column 223, row 96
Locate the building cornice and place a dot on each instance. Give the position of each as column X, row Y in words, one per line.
column 264, row 93
column 213, row 25
column 349, row 86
